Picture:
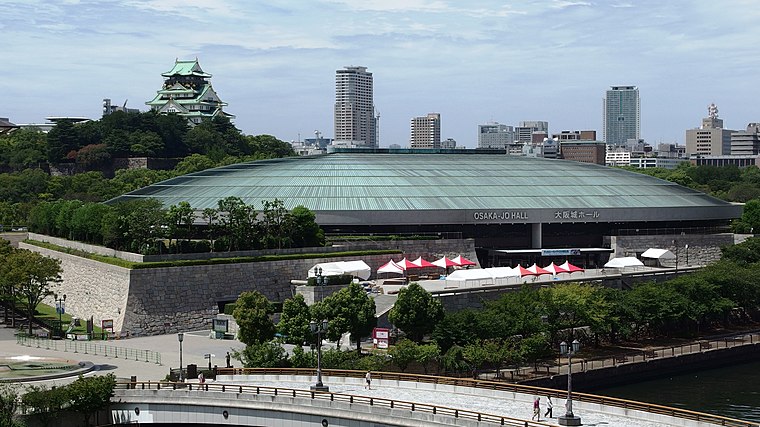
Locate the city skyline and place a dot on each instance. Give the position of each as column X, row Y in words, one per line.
column 274, row 64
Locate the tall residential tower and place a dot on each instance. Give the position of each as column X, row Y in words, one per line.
column 622, row 115
column 426, row 131
column 355, row 121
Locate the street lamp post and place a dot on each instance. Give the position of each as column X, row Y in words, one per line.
column 60, row 307
column 569, row 419
column 687, row 254
column 180, row 337
column 319, row 328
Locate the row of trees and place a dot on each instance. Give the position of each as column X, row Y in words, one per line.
column 84, row 396
column 26, row 278
column 521, row 327
column 145, row 226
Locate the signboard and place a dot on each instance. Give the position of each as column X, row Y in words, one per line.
column 380, row 337
column 106, row 324
column 560, row 252
column 221, row 325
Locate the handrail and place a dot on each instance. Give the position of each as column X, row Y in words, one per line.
column 339, row 397
column 499, row 386
column 88, row 347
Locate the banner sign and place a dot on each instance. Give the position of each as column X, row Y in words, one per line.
column 560, row 252
column 221, row 325
column 106, row 324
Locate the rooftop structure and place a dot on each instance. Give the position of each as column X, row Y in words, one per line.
column 188, row 92
column 710, row 139
column 6, row 126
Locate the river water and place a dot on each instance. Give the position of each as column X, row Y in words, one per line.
column 732, row 391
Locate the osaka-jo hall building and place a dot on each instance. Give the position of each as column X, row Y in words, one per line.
column 511, row 206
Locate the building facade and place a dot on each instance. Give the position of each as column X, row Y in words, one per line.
column 746, row 143
column 426, row 131
column 355, row 122
column 622, row 115
column 575, row 135
column 584, row 151
column 495, row 135
column 188, row 92
column 710, row 139
column 524, row 132
column 109, row 108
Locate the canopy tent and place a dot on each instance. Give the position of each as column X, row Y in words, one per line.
column 406, row 264
column 463, row 262
column 390, row 267
column 481, row 277
column 524, row 271
column 623, row 262
column 660, row 254
column 358, row 269
column 444, row 263
column 538, row 270
column 555, row 269
column 422, row 263
column 570, row 268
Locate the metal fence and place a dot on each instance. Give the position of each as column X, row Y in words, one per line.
column 502, row 386
column 337, row 397
column 89, row 347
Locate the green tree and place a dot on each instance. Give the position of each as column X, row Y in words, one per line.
column 32, row 275
column 253, row 313
column 428, row 354
column 193, row 163
column 294, row 321
column 46, row 403
column 264, row 354
column 91, row 394
column 275, row 225
column 304, row 231
column 348, row 310
column 302, row 359
column 416, row 312
column 8, row 405
column 476, row 356
column 179, row 219
column 403, row 353
column 237, row 222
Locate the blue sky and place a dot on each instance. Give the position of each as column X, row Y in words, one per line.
column 472, row 61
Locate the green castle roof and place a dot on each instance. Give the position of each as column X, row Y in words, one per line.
column 186, row 68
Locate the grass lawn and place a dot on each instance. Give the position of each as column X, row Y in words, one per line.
column 47, row 314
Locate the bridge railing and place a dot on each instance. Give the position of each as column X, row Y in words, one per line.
column 336, row 397
column 89, row 347
column 500, row 386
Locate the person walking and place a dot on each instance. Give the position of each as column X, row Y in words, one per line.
column 368, row 380
column 536, row 410
column 549, row 407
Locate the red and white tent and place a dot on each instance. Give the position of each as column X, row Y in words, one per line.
column 406, row 264
column 444, row 263
column 570, row 268
column 463, row 262
column 422, row 263
column 555, row 269
column 538, row 270
column 524, row 271
column 390, row 267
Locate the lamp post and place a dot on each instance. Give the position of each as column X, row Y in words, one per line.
column 60, row 308
column 569, row 419
column 687, row 254
column 180, row 337
column 319, row 328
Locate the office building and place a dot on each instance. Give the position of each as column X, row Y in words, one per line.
column 524, row 132
column 710, row 139
column 426, row 131
column 584, row 151
column 355, row 121
column 622, row 115
column 495, row 135
column 449, row 143
column 617, row 157
column 746, row 143
column 575, row 135
column 188, row 93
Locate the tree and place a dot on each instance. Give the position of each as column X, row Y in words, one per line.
column 263, row 355
column 294, row 321
column 91, row 394
column 46, row 403
column 403, row 353
column 348, row 310
column 32, row 276
column 237, row 222
column 253, row 315
column 750, row 220
column 179, row 219
column 427, row 354
column 193, row 163
column 304, row 230
column 275, row 224
column 8, row 405
column 416, row 312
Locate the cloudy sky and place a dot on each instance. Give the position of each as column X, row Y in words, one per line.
column 473, row 61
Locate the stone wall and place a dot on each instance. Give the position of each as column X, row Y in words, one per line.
column 172, row 299
column 86, row 247
column 92, row 288
column 703, row 248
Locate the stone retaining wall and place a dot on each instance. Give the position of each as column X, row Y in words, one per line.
column 703, row 249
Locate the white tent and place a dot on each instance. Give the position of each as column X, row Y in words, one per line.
column 661, row 254
column 624, row 262
column 391, row 267
column 481, row 277
column 358, row 269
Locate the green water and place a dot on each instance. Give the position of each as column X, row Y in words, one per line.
column 732, row 391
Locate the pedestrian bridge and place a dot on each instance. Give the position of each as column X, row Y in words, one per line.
column 261, row 397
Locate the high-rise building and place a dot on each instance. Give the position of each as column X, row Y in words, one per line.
column 710, row 139
column 495, row 135
column 355, row 121
column 524, row 132
column 746, row 143
column 426, row 131
column 188, row 93
column 622, row 115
